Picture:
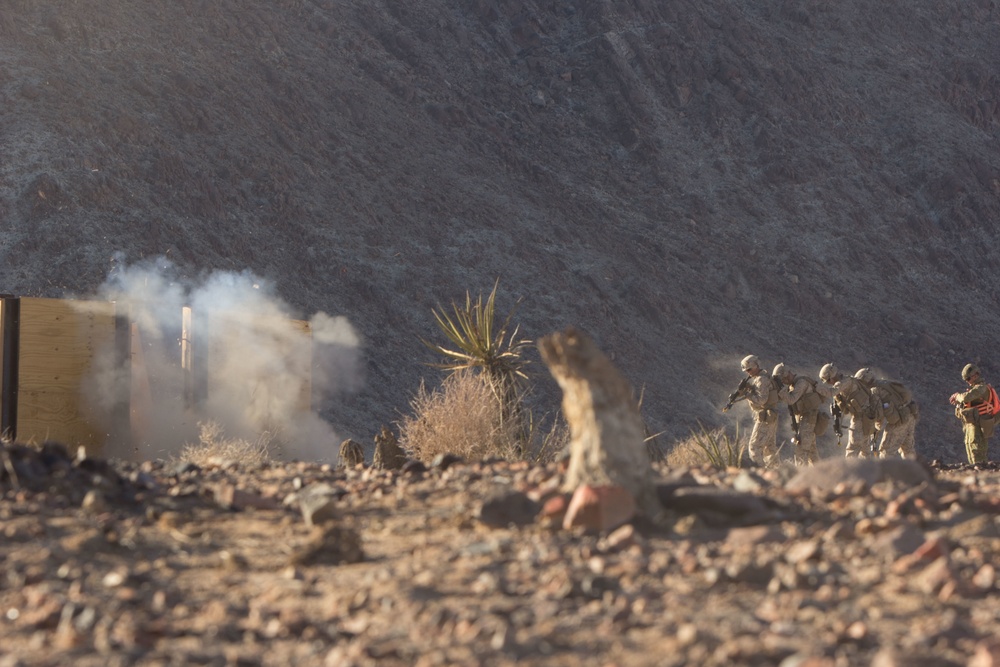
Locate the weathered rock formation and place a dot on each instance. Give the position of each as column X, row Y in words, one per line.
column 607, row 446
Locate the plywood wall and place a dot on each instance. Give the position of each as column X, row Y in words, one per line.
column 59, row 339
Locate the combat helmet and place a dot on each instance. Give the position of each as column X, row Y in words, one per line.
column 779, row 371
column 969, row 371
column 866, row 375
column 828, row 372
column 750, row 362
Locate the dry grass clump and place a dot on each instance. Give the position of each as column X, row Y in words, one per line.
column 715, row 447
column 463, row 417
column 213, row 448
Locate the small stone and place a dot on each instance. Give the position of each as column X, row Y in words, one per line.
column 94, row 502
column 802, row 551
column 329, row 545
column 319, row 503
column 114, row 579
column 621, row 538
column 857, row 631
column 446, row 460
column 985, row 578
column 231, row 561
column 687, row 634
column 987, row 654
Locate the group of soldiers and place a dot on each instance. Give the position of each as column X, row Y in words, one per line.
column 881, row 414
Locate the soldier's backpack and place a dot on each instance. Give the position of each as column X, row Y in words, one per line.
column 903, row 395
column 900, row 407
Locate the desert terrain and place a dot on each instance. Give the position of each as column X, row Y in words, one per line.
column 689, row 182
column 889, row 563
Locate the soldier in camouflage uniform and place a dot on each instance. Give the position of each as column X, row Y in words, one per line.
column 762, row 396
column 854, row 400
column 804, row 402
column 970, row 407
column 895, row 415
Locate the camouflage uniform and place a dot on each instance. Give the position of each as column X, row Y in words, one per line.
column 801, row 396
column 762, row 397
column 855, row 401
column 976, row 427
column 896, row 416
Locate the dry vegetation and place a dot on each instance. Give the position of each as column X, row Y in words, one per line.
column 715, row 447
column 463, row 417
column 214, row 448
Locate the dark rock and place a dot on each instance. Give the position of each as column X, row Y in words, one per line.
column 506, row 508
column 446, row 460
column 413, row 467
column 330, row 545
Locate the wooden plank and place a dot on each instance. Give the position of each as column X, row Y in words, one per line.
column 10, row 308
column 141, row 398
column 305, row 395
column 58, row 341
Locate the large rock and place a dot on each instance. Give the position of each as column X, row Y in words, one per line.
column 826, row 475
column 607, row 446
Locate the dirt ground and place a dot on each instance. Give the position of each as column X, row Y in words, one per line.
column 166, row 563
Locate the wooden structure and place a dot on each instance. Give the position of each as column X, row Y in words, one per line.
column 81, row 373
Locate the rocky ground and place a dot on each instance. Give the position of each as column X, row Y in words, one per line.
column 690, row 181
column 162, row 563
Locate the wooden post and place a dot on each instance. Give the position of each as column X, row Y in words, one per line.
column 10, row 326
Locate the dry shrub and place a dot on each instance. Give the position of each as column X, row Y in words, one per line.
column 214, row 448
column 716, row 448
column 463, row 417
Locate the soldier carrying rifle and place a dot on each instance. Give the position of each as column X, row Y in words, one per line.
column 760, row 392
column 804, row 403
column 854, row 400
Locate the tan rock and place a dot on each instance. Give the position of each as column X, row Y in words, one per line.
column 607, row 445
column 599, row 508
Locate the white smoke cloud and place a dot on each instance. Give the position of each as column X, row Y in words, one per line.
column 253, row 368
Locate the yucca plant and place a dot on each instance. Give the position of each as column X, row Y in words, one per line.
column 719, row 449
column 479, row 344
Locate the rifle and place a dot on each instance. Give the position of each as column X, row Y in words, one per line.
column 837, row 428
column 737, row 395
column 876, row 412
column 876, row 438
column 796, row 439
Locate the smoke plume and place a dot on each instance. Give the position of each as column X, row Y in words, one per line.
column 224, row 349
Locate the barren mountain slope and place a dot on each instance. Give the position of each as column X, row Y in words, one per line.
column 689, row 181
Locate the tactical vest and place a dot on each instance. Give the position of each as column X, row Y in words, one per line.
column 987, row 407
column 809, row 401
column 766, row 383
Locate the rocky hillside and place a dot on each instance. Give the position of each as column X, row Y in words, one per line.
column 689, row 181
